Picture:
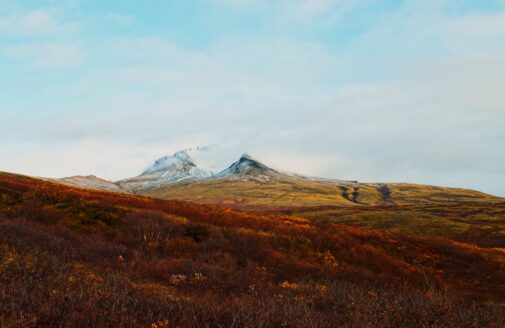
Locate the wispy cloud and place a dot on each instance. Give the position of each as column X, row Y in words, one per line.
column 305, row 11
column 325, row 12
column 53, row 55
column 119, row 19
column 34, row 23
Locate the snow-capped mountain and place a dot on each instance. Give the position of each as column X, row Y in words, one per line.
column 166, row 170
column 181, row 167
column 247, row 166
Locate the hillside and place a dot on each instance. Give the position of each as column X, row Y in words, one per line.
column 459, row 214
column 79, row 257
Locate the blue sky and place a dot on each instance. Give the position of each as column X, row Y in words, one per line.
column 408, row 91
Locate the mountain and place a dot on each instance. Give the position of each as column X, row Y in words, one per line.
column 164, row 171
column 182, row 168
column 247, row 166
column 250, row 184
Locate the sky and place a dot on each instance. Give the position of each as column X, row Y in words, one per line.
column 369, row 90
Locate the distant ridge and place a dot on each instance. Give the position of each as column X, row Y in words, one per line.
column 90, row 182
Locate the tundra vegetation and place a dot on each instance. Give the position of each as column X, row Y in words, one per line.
column 80, row 258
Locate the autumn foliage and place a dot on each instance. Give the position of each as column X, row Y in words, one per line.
column 72, row 257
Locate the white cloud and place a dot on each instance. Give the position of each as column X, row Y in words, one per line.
column 51, row 55
column 34, row 23
column 283, row 12
column 244, row 4
column 304, row 11
column 118, row 19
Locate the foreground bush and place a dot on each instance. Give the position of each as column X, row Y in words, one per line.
column 74, row 258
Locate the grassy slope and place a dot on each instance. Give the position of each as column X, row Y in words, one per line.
column 459, row 214
column 280, row 192
column 79, row 258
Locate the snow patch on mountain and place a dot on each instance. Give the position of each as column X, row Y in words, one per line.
column 166, row 170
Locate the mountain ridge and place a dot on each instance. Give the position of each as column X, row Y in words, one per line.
column 248, row 183
column 176, row 168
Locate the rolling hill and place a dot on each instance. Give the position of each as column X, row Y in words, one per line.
column 79, row 257
column 458, row 214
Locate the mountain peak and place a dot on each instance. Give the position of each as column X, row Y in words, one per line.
column 246, row 156
column 247, row 166
column 183, row 155
column 167, row 170
column 166, row 162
